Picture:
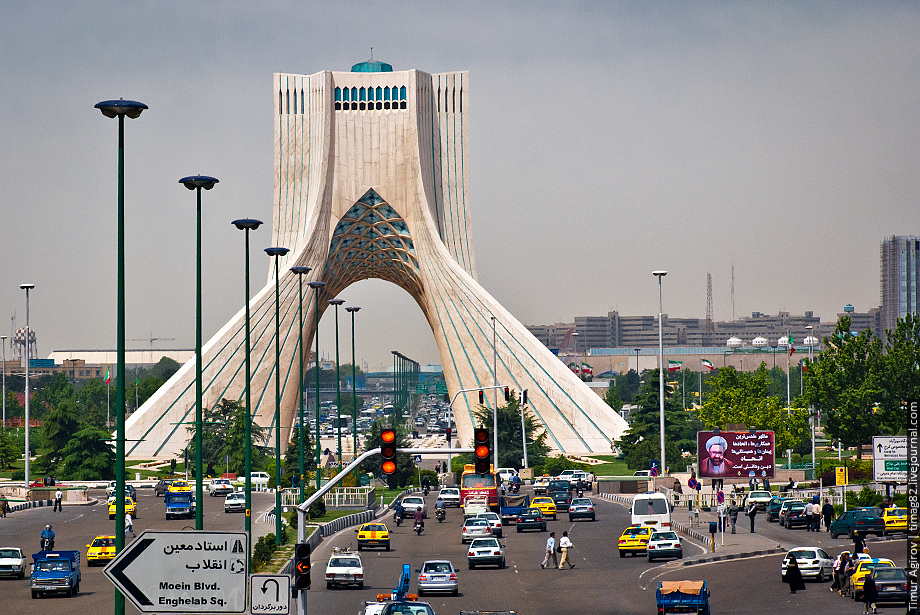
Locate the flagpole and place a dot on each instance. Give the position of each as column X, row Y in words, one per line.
column 701, row 388
column 683, row 386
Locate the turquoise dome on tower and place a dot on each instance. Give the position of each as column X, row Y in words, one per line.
column 372, row 66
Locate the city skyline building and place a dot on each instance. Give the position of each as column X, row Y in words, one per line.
column 899, row 279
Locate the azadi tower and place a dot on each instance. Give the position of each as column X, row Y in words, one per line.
column 372, row 181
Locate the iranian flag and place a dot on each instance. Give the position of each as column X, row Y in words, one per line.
column 586, row 369
column 791, row 350
column 573, row 367
column 673, row 366
column 707, row 364
column 108, row 376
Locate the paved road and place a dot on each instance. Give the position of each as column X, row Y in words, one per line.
column 76, row 526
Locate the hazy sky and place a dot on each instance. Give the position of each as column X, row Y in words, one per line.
column 607, row 139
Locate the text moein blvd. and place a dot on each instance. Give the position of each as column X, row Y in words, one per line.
column 183, row 572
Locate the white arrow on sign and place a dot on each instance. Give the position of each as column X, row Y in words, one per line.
column 269, row 593
column 183, row 572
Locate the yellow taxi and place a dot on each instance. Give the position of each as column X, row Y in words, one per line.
column 180, row 486
column 130, row 507
column 101, row 550
column 546, row 506
column 373, row 535
column 866, row 566
column 634, row 539
column 895, row 519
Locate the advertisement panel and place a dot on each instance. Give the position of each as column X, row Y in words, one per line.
column 735, row 454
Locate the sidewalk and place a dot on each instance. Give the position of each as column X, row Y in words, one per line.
column 741, row 544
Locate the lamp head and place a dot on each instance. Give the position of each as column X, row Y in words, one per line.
column 352, row 309
column 121, row 107
column 248, row 224
column 301, row 270
column 276, row 251
column 660, row 273
column 316, row 285
column 336, row 302
column 27, row 286
column 198, row 181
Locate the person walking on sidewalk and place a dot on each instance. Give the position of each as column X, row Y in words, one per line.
column 129, row 525
column 840, row 565
column 809, row 511
column 793, row 576
column 733, row 511
column 565, row 544
column 752, row 512
column 58, row 501
column 550, row 551
column 827, row 511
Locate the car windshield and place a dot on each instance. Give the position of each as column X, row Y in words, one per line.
column 636, row 531
column 897, row 512
column 803, row 554
column 664, row 536
column 488, row 516
column 542, row 500
column 482, row 543
column 650, row 506
column 583, row 501
column 760, row 494
column 51, row 566
column 450, row 491
column 478, row 481
column 890, row 574
column 438, row 567
column 405, row 608
column 344, row 562
column 104, row 542
column 374, row 527
column 796, row 507
column 476, row 521
column 413, row 501
column 864, row 514
column 9, row 553
column 874, row 565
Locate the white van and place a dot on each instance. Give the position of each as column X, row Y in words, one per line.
column 651, row 509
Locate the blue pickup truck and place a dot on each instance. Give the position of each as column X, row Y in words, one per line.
column 55, row 571
column 179, row 505
column 513, row 505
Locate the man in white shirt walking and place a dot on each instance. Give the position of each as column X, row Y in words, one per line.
column 550, row 551
column 565, row 544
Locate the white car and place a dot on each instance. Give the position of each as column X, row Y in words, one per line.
column 495, row 522
column 505, row 474
column 814, row 563
column 759, row 498
column 259, row 480
column 235, row 501
column 12, row 563
column 474, row 527
column 411, row 503
column 475, row 505
column 664, row 544
column 450, row 496
column 220, row 486
column 344, row 569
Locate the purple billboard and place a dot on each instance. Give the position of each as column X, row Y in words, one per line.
column 735, row 454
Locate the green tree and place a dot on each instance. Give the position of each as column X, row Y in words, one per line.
column 88, row 456
column 13, row 407
column 845, row 383
column 405, row 465
column 9, row 450
column 628, row 385
column 739, row 397
column 901, row 368
column 58, row 430
column 511, row 445
column 612, row 398
column 223, row 432
column 50, row 390
column 291, row 465
column 165, row 368
column 92, row 402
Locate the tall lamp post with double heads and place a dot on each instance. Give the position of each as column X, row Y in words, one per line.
column 354, row 385
column 316, row 286
column 338, row 381
column 3, row 339
column 300, row 271
column 246, row 225
column 196, row 183
column 810, row 340
column 660, row 274
column 27, row 358
column 275, row 253
column 120, row 109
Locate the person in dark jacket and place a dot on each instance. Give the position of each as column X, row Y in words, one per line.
column 793, row 576
column 869, row 595
column 752, row 512
column 859, row 543
column 827, row 511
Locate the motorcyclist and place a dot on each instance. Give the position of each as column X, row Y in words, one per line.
column 48, row 534
column 399, row 513
column 419, row 517
column 439, row 509
column 515, row 483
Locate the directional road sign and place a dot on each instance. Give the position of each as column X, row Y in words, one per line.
column 269, row 593
column 890, row 459
column 183, row 572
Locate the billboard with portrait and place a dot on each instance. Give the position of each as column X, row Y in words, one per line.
column 735, row 454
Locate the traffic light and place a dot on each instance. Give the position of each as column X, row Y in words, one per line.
column 448, row 435
column 388, row 451
column 524, row 397
column 507, row 394
column 302, row 566
column 482, row 398
column 483, row 450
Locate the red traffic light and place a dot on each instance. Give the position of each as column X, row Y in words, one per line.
column 388, row 466
column 507, row 394
column 482, row 450
column 482, row 398
column 388, row 451
column 388, row 436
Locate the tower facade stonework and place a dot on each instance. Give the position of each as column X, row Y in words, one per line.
column 372, row 181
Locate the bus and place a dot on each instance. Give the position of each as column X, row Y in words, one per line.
column 480, row 485
column 651, row 509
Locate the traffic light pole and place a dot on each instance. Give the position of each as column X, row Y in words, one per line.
column 451, row 421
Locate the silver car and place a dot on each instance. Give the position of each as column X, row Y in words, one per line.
column 413, row 502
column 474, row 527
column 437, row 576
column 486, row 551
column 450, row 496
column 814, row 562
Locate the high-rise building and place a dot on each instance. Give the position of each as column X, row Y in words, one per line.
column 900, row 279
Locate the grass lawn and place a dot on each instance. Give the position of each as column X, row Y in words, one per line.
column 18, row 465
column 611, row 466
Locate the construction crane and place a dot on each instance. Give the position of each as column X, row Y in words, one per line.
column 151, row 339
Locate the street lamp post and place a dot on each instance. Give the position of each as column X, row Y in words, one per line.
column 338, row 386
column 495, row 391
column 354, row 385
column 300, row 271
column 637, row 359
column 275, row 253
column 120, row 109
column 660, row 274
column 196, row 183
column 248, row 224
column 28, row 357
column 3, row 339
column 316, row 286
column 811, row 413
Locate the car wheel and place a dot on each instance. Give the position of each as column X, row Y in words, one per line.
column 622, row 554
column 456, row 592
column 388, row 546
column 519, row 530
column 651, row 559
column 360, row 546
column 820, row 578
column 34, row 595
column 834, row 535
column 111, row 516
column 543, row 528
column 471, row 566
column 328, row 585
column 361, row 586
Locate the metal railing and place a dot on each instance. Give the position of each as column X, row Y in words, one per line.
column 342, row 497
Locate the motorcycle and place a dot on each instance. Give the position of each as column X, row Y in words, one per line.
column 426, row 489
column 515, row 487
column 397, row 518
column 580, row 493
column 440, row 514
column 419, row 526
column 47, row 544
